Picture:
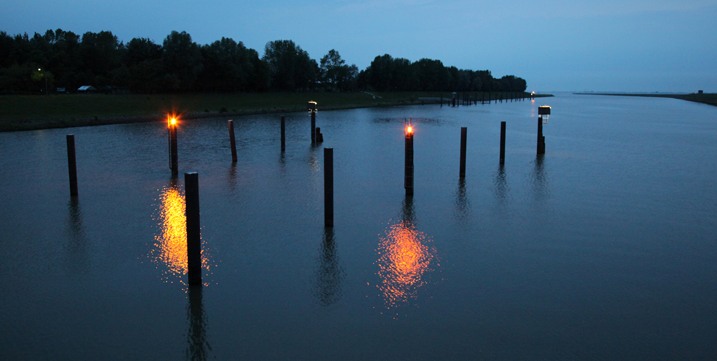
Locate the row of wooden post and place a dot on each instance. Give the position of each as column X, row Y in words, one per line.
column 191, row 180
column 458, row 100
column 314, row 141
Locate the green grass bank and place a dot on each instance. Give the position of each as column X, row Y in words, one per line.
column 27, row 112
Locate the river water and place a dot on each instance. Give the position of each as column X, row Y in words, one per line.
column 604, row 248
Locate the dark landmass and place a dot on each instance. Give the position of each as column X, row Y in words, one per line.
column 28, row 112
column 705, row 98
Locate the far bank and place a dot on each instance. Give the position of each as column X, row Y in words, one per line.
column 705, row 98
column 28, row 112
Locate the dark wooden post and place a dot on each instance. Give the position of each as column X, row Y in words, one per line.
column 319, row 136
column 464, row 138
column 174, row 163
column 232, row 140
column 541, row 138
column 328, row 187
column 502, row 142
column 408, row 166
column 313, row 128
column 72, row 164
column 283, row 134
column 194, row 246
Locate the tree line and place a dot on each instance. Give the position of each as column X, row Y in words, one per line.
column 65, row 60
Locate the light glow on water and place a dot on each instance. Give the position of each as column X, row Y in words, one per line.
column 404, row 259
column 170, row 247
column 615, row 223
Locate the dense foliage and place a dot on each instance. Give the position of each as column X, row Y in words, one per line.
column 62, row 60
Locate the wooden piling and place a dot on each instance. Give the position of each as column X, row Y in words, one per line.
column 174, row 163
column 328, row 187
column 194, row 246
column 313, row 128
column 232, row 140
column 502, row 142
column 319, row 136
column 72, row 164
column 541, row 138
column 283, row 134
column 464, row 136
column 408, row 164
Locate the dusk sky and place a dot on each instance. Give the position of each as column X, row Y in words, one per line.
column 608, row 45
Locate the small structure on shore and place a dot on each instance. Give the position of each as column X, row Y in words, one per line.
column 86, row 89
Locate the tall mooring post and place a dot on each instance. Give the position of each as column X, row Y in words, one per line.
column 312, row 109
column 283, row 134
column 408, row 164
column 194, row 246
column 172, row 124
column 464, row 140
column 232, row 140
column 72, row 164
column 502, row 142
column 541, row 137
column 543, row 115
column 328, row 187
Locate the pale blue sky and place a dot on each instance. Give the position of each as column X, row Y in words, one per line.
column 619, row 45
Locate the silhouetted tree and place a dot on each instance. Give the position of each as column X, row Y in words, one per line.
column 335, row 74
column 228, row 66
column 290, row 67
column 101, row 53
column 182, row 61
column 143, row 60
column 65, row 59
column 179, row 64
column 431, row 74
column 513, row 83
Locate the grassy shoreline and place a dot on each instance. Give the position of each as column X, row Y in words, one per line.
column 31, row 112
column 706, row 98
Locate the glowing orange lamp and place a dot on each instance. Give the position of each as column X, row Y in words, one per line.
column 172, row 121
column 409, row 129
column 408, row 166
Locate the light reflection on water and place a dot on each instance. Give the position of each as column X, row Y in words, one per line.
column 597, row 229
column 170, row 247
column 405, row 256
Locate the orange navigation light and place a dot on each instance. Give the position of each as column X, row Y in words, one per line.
column 409, row 129
column 172, row 121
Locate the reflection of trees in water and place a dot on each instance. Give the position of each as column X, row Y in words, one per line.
column 329, row 274
column 198, row 347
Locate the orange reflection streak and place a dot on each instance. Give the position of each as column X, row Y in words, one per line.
column 404, row 258
column 171, row 245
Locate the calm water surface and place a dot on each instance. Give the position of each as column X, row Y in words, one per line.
column 605, row 248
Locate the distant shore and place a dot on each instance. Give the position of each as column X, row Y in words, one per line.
column 705, row 98
column 31, row 112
